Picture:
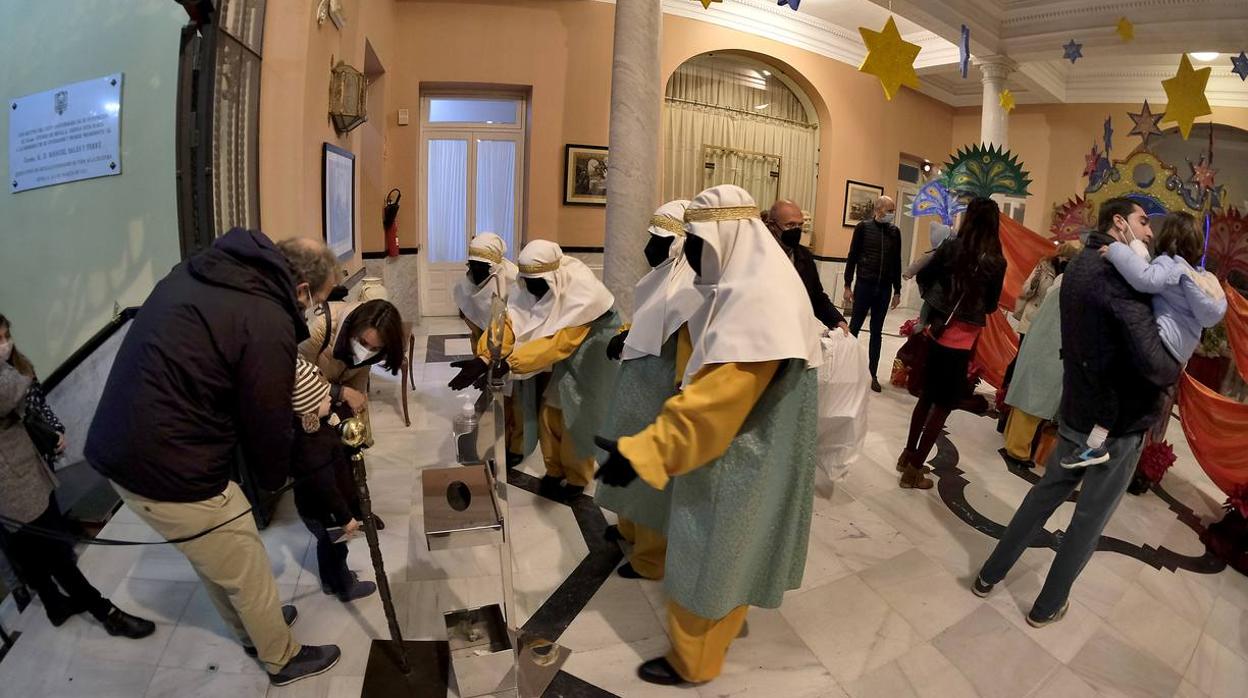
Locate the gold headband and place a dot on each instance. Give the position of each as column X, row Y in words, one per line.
column 539, row 268
column 669, row 224
column 720, row 213
column 484, row 253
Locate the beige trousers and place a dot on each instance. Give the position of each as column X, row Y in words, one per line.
column 231, row 562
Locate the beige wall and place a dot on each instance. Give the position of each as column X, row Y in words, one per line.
column 1052, row 140
column 561, row 51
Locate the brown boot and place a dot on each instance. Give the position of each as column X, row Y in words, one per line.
column 912, row 478
column 903, row 461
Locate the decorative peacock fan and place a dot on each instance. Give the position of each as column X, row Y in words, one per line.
column 935, row 199
column 981, row 170
column 1071, row 219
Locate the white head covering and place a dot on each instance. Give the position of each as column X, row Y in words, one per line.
column 665, row 297
column 474, row 299
column 757, row 308
column 576, row 297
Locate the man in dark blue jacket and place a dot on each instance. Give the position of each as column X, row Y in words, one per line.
column 1113, row 359
column 875, row 256
column 207, row 367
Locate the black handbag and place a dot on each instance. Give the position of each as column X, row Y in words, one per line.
column 43, row 435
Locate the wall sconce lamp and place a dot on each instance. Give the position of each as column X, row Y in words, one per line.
column 348, row 94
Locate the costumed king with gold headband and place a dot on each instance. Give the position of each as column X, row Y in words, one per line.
column 654, row 349
column 559, row 321
column 736, row 443
column 489, row 273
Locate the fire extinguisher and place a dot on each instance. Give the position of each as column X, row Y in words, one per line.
column 389, row 220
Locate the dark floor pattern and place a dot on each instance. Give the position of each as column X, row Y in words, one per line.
column 952, row 488
column 435, row 350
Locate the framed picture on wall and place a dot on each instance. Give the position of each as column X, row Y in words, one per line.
column 584, row 175
column 859, row 202
column 338, row 199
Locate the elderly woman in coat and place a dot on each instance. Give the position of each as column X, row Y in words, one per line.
column 28, row 505
column 1036, row 389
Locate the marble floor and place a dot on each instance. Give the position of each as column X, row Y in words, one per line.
column 884, row 609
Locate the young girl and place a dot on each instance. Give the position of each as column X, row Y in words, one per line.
column 1185, row 300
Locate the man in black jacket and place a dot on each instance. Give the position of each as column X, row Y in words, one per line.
column 875, row 256
column 785, row 222
column 207, row 366
column 1112, row 355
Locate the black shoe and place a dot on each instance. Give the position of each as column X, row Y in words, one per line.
column 59, row 608
column 981, row 588
column 356, row 590
column 514, row 459
column 613, row 534
column 120, row 623
column 1013, row 463
column 573, row 491
column 875, row 385
column 290, row 614
column 311, row 661
column 1037, row 622
column 626, row 571
column 659, row 671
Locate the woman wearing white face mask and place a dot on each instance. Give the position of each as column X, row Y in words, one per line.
column 346, row 340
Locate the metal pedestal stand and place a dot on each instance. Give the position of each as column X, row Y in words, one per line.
column 395, row 667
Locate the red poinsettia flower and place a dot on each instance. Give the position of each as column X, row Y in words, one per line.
column 1156, row 459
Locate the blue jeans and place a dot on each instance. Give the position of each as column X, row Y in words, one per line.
column 1103, row 487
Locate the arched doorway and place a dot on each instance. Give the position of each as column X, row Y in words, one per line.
column 732, row 119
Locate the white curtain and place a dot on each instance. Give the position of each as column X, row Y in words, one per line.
column 447, row 203
column 731, row 105
column 496, row 191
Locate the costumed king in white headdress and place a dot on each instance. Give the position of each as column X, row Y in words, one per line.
column 737, row 444
column 489, row 273
column 655, row 349
column 560, row 319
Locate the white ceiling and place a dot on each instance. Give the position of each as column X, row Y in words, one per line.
column 1029, row 32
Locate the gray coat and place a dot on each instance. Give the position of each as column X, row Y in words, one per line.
column 1037, row 384
column 26, row 482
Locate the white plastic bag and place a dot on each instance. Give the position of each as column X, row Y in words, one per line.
column 843, row 386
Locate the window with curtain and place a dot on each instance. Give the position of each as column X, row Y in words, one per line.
column 731, row 120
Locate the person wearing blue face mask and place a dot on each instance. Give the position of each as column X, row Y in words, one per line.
column 875, row 256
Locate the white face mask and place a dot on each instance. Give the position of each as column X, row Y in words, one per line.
column 360, row 352
column 6, row 350
column 887, row 217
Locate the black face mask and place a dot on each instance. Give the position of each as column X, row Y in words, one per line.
column 657, row 250
column 791, row 237
column 693, row 253
column 478, row 272
column 537, row 287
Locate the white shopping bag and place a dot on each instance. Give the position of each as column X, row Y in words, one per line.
column 843, row 386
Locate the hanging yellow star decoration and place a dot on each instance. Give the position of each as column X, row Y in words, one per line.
column 1186, row 94
column 1126, row 29
column 889, row 58
column 706, row 4
column 1007, row 101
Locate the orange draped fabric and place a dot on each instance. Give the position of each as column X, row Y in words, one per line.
column 1217, row 431
column 1022, row 249
column 1237, row 328
column 996, row 348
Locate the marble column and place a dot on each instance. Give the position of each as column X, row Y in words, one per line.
column 994, row 121
column 633, row 167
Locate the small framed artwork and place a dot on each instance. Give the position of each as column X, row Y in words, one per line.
column 338, row 199
column 859, row 202
column 584, row 175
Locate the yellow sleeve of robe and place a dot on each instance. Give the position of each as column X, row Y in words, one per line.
column 539, row 354
column 698, row 425
column 509, row 340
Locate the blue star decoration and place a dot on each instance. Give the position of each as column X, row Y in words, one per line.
column 1074, row 51
column 1241, row 65
column 964, row 51
column 791, row 3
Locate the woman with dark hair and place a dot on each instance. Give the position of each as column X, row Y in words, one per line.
column 28, row 503
column 962, row 284
column 346, row 340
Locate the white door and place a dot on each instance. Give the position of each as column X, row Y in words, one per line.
column 472, row 153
